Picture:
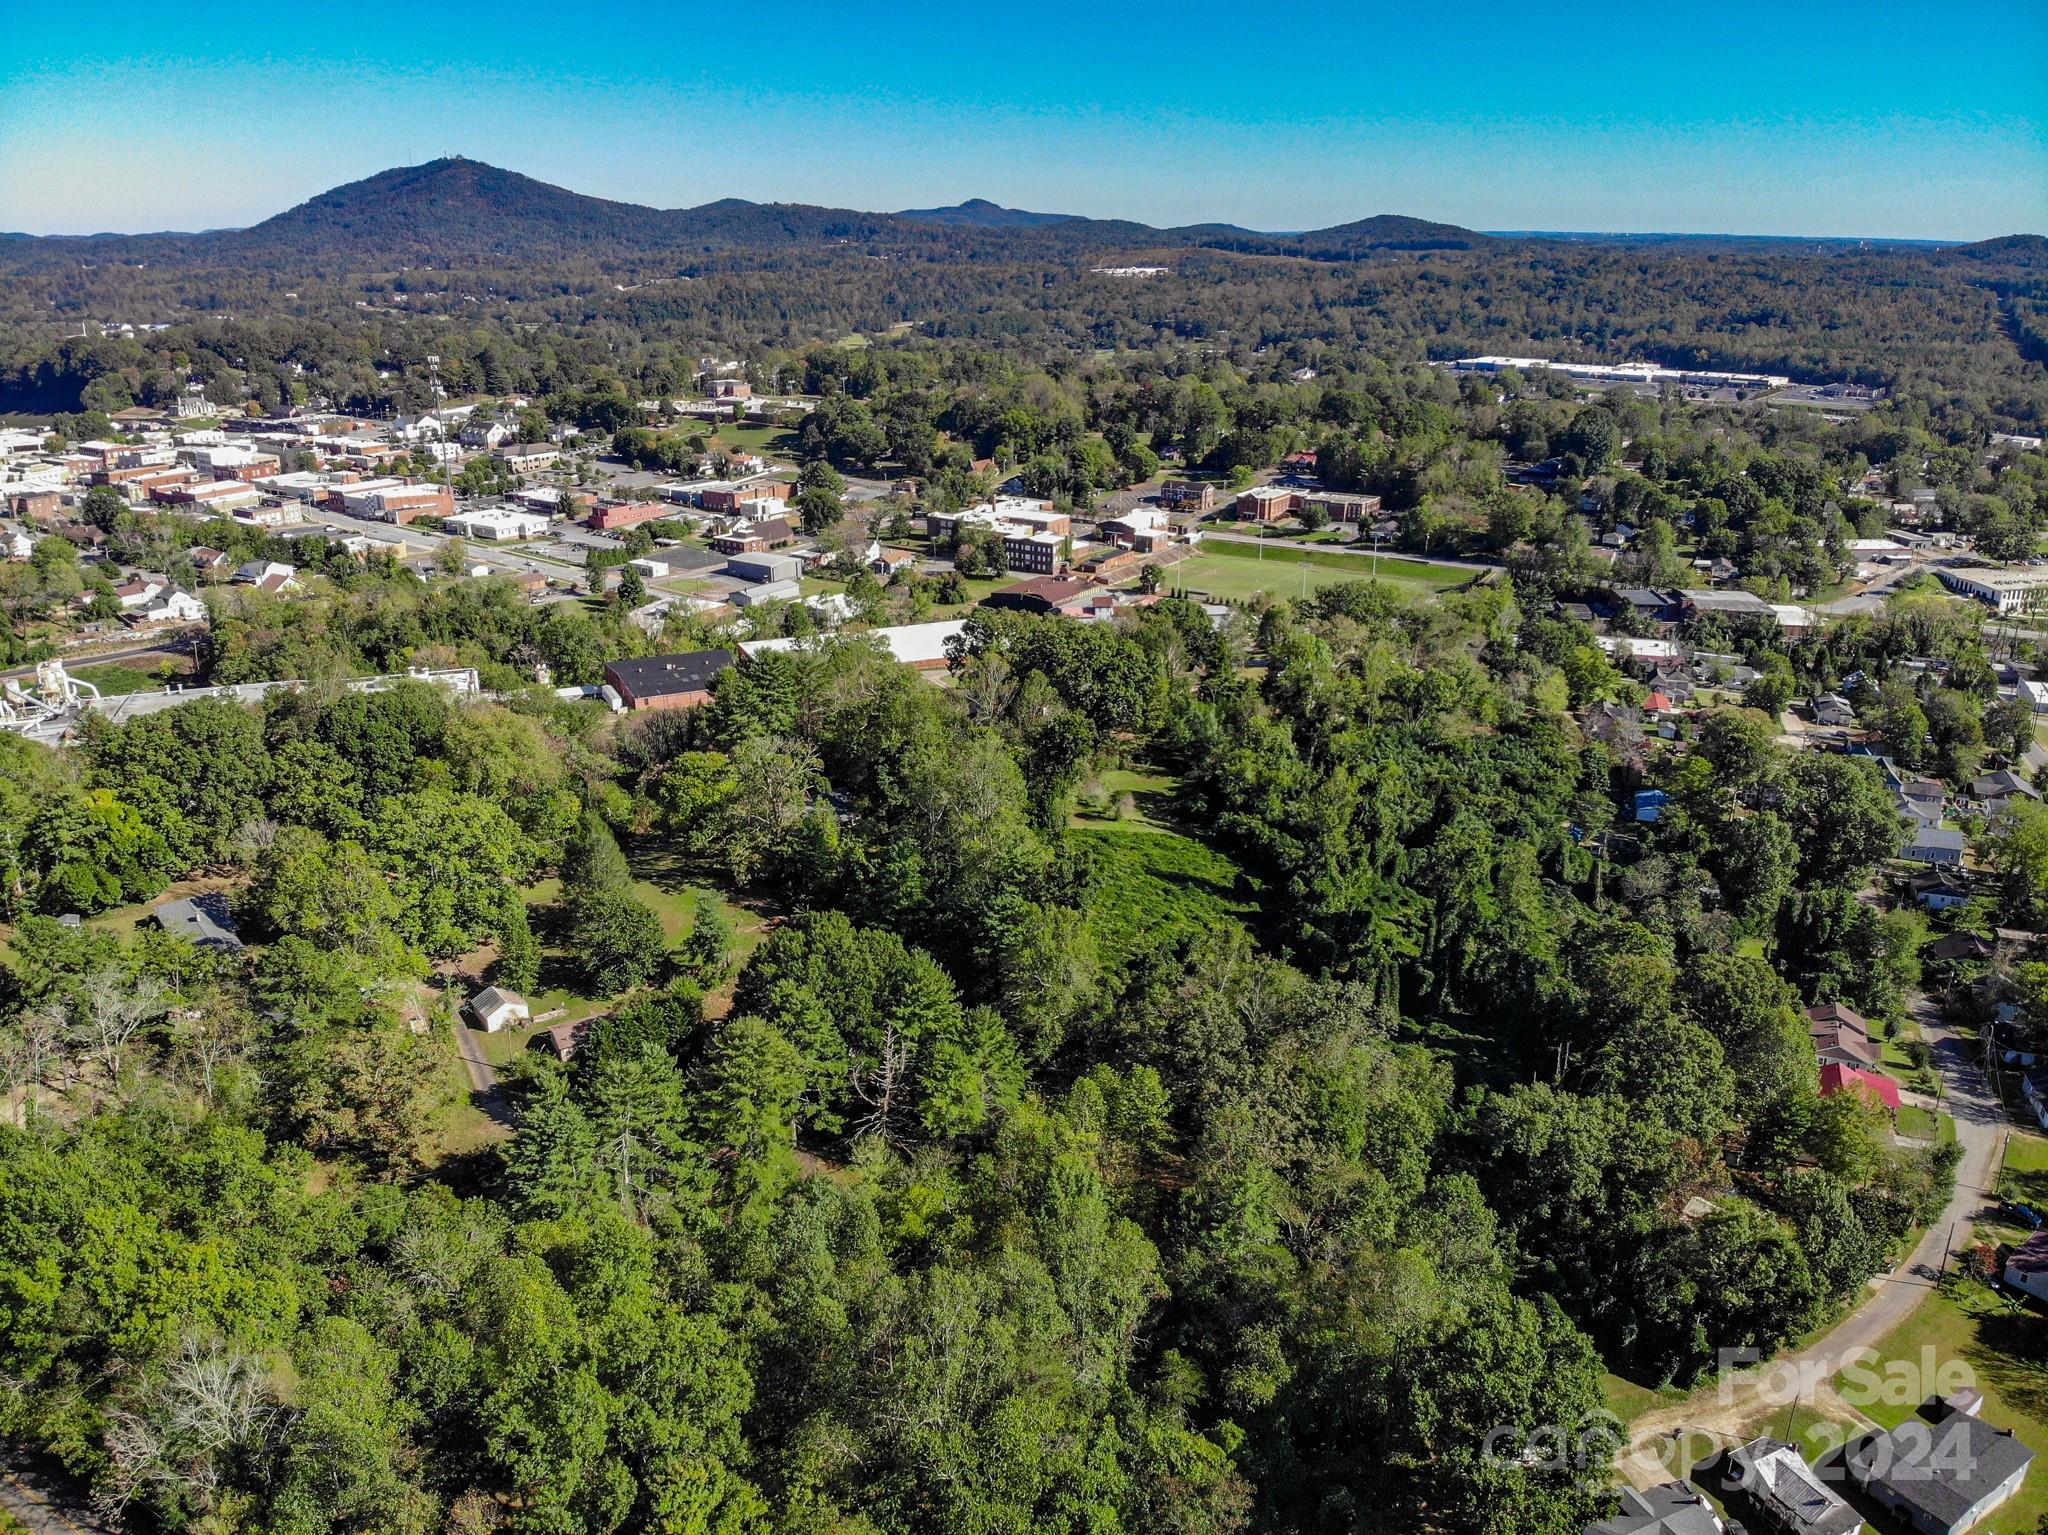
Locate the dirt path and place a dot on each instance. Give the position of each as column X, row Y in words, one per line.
column 1734, row 1405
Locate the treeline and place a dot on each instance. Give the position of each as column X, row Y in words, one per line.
column 1925, row 323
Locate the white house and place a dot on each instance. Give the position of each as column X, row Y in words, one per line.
column 496, row 1008
column 2035, row 694
column 171, row 607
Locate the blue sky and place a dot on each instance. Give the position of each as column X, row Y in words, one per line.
column 1793, row 117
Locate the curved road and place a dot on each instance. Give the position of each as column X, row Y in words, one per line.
column 1722, row 1408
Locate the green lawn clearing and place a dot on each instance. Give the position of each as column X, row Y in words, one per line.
column 1154, row 886
column 1233, row 572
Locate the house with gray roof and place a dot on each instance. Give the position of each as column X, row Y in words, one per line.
column 204, row 919
column 1676, row 1508
column 1940, row 1477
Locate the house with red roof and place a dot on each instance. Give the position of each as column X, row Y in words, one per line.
column 1836, row 1078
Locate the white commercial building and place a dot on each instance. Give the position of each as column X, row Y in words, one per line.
column 2003, row 591
column 496, row 524
column 1646, row 373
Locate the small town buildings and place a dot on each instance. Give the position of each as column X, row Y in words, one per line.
column 1723, row 604
column 680, row 681
column 496, row 1007
column 611, row 515
column 204, row 919
column 887, row 561
column 1037, row 554
column 1676, row 1508
column 2034, row 695
column 1186, row 495
column 1342, row 506
column 1940, row 1478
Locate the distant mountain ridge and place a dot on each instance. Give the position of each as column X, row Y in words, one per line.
column 980, row 213
column 460, row 210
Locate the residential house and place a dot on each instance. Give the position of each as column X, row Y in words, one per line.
column 564, row 1039
column 204, row 919
column 887, row 561
column 1937, row 891
column 1934, row 845
column 170, row 606
column 1958, row 948
column 680, row 681
column 138, row 592
column 1998, row 791
column 208, row 561
column 1769, row 1482
column 2035, row 695
column 1833, row 709
column 2026, row 1266
column 267, row 576
column 1841, row 1079
column 1941, row 1479
column 1676, row 1508
column 1842, row 1038
column 496, row 1007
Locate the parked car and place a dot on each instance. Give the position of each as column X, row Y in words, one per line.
column 2024, row 1215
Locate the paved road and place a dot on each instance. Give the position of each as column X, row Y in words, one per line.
column 1733, row 1404
column 47, row 1504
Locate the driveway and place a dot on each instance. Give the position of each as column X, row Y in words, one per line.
column 1733, row 1404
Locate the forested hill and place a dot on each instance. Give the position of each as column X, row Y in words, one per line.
column 353, row 288
column 456, row 209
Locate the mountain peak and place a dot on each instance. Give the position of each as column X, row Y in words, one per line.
column 980, row 213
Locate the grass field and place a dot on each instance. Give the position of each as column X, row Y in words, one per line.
column 116, row 679
column 1234, row 572
column 1921, row 1124
column 1154, row 885
column 754, row 437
